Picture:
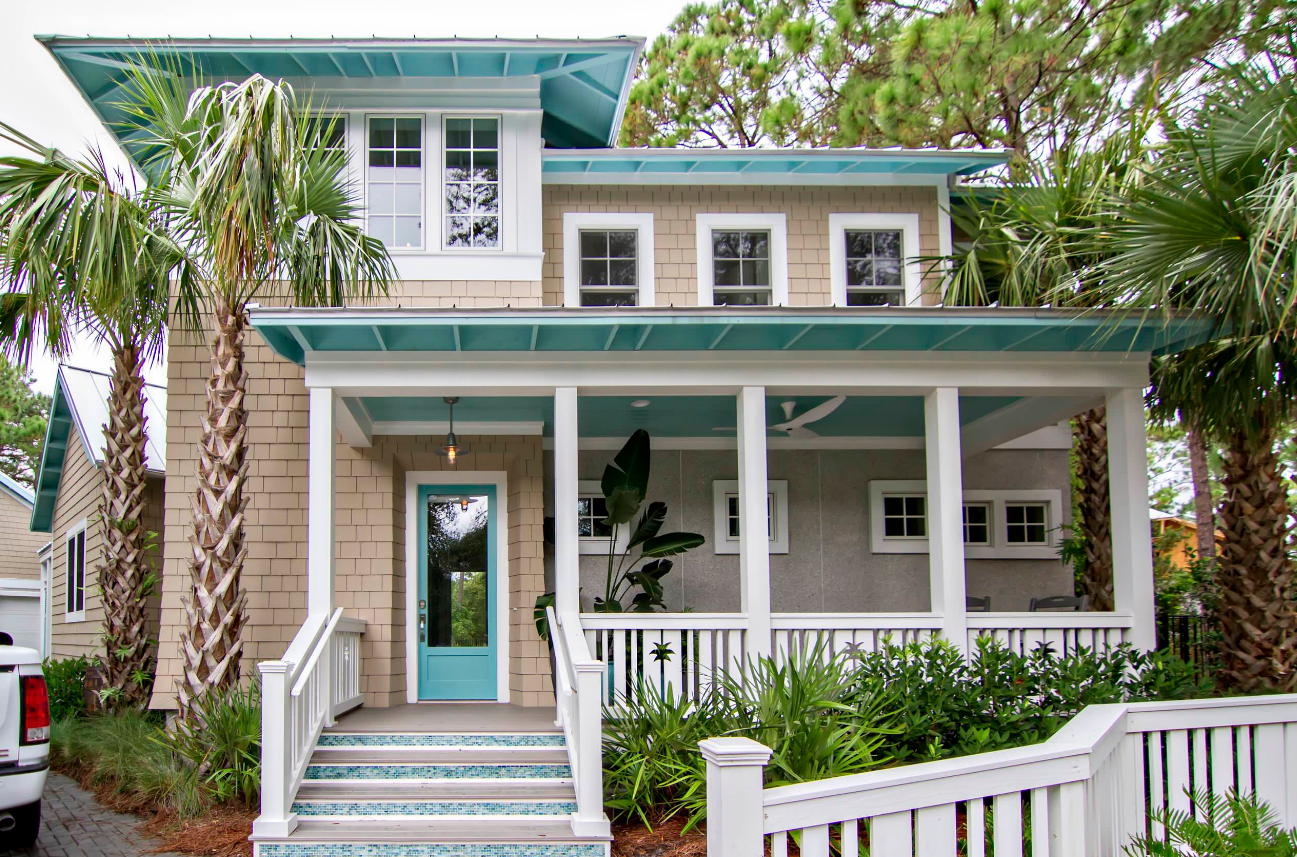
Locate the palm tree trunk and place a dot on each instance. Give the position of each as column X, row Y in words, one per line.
column 1090, row 439
column 125, row 576
column 211, row 643
column 1254, row 571
column 1203, row 512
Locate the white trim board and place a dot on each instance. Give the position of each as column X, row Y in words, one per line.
column 414, row 480
column 775, row 224
column 1050, row 437
column 641, row 224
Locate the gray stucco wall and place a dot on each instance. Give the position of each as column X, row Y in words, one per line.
column 829, row 567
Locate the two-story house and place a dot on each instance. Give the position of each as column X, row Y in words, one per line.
column 863, row 461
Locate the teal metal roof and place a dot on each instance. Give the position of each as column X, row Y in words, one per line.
column 758, row 164
column 294, row 332
column 582, row 83
column 81, row 401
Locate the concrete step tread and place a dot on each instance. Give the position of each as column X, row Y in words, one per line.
column 439, row 771
column 486, row 830
column 438, row 755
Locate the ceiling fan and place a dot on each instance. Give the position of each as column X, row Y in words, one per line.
column 796, row 427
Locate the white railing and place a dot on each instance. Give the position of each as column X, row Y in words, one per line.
column 1086, row 791
column 1065, row 632
column 848, row 634
column 317, row 679
column 661, row 652
column 579, row 703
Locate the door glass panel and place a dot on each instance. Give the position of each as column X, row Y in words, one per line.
column 458, row 539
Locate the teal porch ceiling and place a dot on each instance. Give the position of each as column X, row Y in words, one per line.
column 682, row 416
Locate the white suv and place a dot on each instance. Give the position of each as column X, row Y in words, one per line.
column 24, row 743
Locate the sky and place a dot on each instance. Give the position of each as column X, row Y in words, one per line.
column 37, row 99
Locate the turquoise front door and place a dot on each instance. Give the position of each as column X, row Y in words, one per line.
column 457, row 592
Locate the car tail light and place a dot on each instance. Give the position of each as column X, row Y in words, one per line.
column 36, row 710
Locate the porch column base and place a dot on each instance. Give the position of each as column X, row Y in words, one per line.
column 271, row 828
column 591, row 826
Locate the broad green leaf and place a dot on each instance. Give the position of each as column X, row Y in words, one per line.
column 623, row 503
column 629, row 469
column 672, row 544
column 649, row 524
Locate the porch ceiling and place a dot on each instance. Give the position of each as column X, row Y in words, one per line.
column 679, row 416
column 295, row 333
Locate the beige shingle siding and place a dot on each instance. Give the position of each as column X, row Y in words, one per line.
column 370, row 501
column 675, row 209
column 18, row 544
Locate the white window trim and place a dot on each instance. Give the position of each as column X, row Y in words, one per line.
column 575, row 221
column 78, row 615
column 908, row 224
column 423, row 177
column 1049, row 520
column 598, row 545
column 990, row 523
column 999, row 548
column 441, row 183
column 721, row 542
column 775, row 224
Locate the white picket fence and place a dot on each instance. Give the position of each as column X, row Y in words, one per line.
column 1084, row 793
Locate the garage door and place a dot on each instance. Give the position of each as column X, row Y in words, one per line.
column 20, row 615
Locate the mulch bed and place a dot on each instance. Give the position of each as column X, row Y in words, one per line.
column 664, row 839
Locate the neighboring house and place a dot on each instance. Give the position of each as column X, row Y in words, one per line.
column 23, row 595
column 561, row 294
column 69, row 492
column 1183, row 537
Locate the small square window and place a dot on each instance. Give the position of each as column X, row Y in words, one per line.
column 905, row 516
column 874, row 268
column 591, row 509
column 977, row 524
column 1026, row 523
column 741, row 268
column 609, row 267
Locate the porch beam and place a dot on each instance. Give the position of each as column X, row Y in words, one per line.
column 754, row 539
column 567, row 576
column 945, row 513
column 354, row 424
column 320, row 540
column 1132, row 560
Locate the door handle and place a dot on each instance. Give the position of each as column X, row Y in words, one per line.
column 423, row 621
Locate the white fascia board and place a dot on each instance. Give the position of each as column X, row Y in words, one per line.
column 468, row 265
column 466, row 429
column 749, row 179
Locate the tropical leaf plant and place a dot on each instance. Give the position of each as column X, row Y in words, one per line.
column 1230, row 825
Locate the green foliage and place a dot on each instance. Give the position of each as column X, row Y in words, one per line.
column 65, row 680
column 24, row 414
column 1220, row 826
column 225, row 748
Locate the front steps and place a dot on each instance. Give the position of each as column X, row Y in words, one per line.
column 502, row 794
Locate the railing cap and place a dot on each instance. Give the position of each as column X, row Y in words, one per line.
column 727, row 752
column 274, row 667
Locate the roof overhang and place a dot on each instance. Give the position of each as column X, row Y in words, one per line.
column 580, row 84
column 763, row 166
column 296, row 333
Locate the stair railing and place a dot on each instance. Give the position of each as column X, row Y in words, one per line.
column 300, row 695
column 578, row 696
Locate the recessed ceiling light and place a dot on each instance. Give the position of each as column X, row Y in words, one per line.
column 640, row 403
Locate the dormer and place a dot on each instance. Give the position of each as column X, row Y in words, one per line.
column 445, row 136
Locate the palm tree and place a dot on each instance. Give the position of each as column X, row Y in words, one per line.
column 81, row 247
column 268, row 208
column 1032, row 245
column 1212, row 231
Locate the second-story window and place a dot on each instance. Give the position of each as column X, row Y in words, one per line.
column 609, row 267
column 394, row 181
column 472, row 183
column 874, row 268
column 740, row 267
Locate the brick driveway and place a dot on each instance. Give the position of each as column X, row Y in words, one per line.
column 73, row 825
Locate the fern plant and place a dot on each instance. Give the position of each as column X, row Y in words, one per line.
column 1230, row 825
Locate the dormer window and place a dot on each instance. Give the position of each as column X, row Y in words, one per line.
column 394, row 180
column 472, row 183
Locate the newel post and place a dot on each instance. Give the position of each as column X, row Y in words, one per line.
column 275, row 818
column 590, row 818
column 735, row 811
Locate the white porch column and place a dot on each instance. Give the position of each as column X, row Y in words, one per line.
column 320, row 540
column 754, row 532
column 1132, row 539
column 946, row 513
column 567, row 573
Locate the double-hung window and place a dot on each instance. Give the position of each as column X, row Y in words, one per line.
column 874, row 274
column 75, row 579
column 609, row 270
column 394, row 181
column 472, row 183
column 741, row 267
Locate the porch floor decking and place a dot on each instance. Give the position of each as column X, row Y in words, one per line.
column 459, row 717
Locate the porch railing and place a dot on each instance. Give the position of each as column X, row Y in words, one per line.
column 579, row 703
column 1064, row 632
column 848, row 633
column 317, row 679
column 1086, row 791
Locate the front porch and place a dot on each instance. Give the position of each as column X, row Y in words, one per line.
column 929, row 398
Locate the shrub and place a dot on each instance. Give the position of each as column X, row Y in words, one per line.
column 1223, row 826
column 66, row 682
column 226, row 748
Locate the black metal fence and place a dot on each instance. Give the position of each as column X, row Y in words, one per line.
column 1191, row 638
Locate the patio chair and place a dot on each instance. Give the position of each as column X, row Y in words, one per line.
column 977, row 603
column 1060, row 603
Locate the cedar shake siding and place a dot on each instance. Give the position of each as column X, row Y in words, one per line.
column 18, row 544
